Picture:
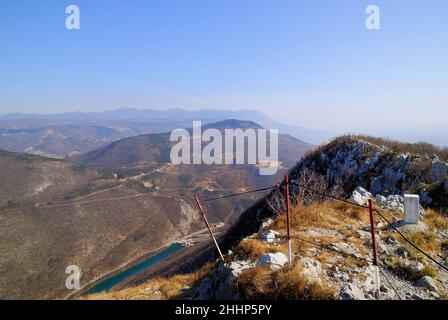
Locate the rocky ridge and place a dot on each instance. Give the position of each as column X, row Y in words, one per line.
column 350, row 162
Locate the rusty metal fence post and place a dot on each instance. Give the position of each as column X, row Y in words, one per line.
column 288, row 218
column 374, row 247
column 208, row 226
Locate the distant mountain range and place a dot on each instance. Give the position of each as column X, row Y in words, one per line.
column 153, row 149
column 66, row 134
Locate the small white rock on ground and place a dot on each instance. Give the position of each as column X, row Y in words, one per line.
column 269, row 236
column 361, row 196
column 275, row 260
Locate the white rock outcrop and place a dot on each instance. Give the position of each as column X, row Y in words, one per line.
column 415, row 267
column 312, row 270
column 275, row 260
column 269, row 236
column 350, row 291
column 266, row 223
column 394, row 203
column 427, row 283
column 361, row 196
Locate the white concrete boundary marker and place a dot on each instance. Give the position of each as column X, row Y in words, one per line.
column 411, row 208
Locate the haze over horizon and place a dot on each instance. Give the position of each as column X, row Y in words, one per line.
column 309, row 64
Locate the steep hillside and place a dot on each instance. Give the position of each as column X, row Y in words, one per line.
column 67, row 134
column 54, row 214
column 332, row 250
column 352, row 161
column 331, row 260
column 155, row 148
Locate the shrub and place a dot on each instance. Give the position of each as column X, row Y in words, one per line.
column 287, row 283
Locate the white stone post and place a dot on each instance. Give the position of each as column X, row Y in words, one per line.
column 411, row 208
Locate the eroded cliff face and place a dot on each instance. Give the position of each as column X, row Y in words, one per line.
column 351, row 162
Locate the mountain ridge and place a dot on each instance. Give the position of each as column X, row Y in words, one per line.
column 320, row 270
column 55, row 213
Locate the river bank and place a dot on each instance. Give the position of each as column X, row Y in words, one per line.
column 184, row 243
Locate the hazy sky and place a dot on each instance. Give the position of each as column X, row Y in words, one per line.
column 310, row 63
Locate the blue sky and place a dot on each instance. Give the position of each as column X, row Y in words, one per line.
column 310, row 63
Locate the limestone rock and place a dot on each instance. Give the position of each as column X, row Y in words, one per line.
column 402, row 252
column 265, row 224
column 380, row 200
column 425, row 197
column 391, row 241
column 415, row 267
column 410, row 229
column 439, row 170
column 427, row 283
column 360, row 196
column 269, row 236
column 417, row 297
column 311, row 268
column 351, row 292
column 275, row 260
column 345, row 248
column 233, row 269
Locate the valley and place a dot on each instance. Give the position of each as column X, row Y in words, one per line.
column 101, row 210
column 331, row 235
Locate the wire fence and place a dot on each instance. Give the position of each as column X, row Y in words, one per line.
column 337, row 199
column 324, row 247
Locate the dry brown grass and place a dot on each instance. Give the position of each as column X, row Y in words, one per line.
column 287, row 283
column 428, row 242
column 253, row 249
column 429, row 270
column 175, row 287
column 397, row 264
column 425, row 241
column 329, row 214
column 404, row 147
column 435, row 220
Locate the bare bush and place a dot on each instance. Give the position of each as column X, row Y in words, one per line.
column 276, row 200
column 313, row 187
column 309, row 187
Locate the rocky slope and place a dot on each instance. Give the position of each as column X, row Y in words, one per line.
column 54, row 213
column 332, row 249
column 349, row 162
column 332, row 255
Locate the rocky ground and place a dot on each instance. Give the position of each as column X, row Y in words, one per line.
column 340, row 259
column 331, row 240
column 352, row 161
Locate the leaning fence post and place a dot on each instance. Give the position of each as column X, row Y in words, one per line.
column 288, row 218
column 208, row 226
column 375, row 259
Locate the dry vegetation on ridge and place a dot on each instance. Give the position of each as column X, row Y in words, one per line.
column 319, row 225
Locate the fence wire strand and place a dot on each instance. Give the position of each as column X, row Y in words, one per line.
column 410, row 242
column 239, row 194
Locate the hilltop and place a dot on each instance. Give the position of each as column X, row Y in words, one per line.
column 154, row 149
column 381, row 166
column 68, row 134
column 331, row 239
